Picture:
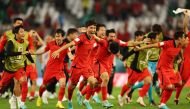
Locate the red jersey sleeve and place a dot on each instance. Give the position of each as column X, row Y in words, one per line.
column 3, row 41
column 164, row 44
column 79, row 39
column 30, row 40
column 122, row 43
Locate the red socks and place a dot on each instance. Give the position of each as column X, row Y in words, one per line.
column 104, row 93
column 144, row 90
column 61, row 93
column 32, row 94
column 24, row 91
column 89, row 92
column 41, row 90
column 166, row 94
column 124, row 89
column 178, row 91
column 84, row 91
column 81, row 86
column 70, row 92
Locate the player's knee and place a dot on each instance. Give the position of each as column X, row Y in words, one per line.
column 170, row 87
column 129, row 85
column 179, row 84
column 23, row 79
column 147, row 80
column 62, row 84
column 34, row 82
column 105, row 76
column 92, row 81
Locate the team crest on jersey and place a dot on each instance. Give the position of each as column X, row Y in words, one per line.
column 161, row 43
column 95, row 44
column 77, row 39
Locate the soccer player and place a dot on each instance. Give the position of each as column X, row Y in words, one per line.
column 102, row 65
column 6, row 36
column 129, row 58
column 31, row 70
column 138, row 72
column 15, row 60
column 168, row 78
column 54, row 68
column 100, row 32
column 80, row 65
column 184, row 70
column 72, row 33
column 153, row 55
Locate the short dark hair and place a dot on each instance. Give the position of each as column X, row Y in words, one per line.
column 99, row 25
column 157, row 28
column 17, row 28
column 138, row 33
column 71, row 31
column 62, row 32
column 110, row 31
column 114, row 47
column 17, row 18
column 152, row 35
column 179, row 34
column 90, row 22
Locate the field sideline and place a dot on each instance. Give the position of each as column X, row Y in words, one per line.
column 183, row 103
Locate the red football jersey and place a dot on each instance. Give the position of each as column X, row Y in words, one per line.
column 103, row 55
column 168, row 53
column 56, row 64
column 83, row 50
column 186, row 53
column 93, row 53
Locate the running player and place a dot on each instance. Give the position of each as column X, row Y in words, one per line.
column 184, row 70
column 54, row 68
column 6, row 36
column 72, row 33
column 167, row 77
column 15, row 60
column 80, row 65
column 100, row 32
column 138, row 72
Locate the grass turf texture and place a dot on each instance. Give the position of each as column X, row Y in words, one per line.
column 184, row 104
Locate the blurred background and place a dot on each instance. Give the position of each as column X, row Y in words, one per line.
column 125, row 16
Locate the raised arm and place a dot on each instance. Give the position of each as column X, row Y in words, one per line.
column 39, row 52
column 56, row 53
column 185, row 22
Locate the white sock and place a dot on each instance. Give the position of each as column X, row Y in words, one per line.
column 162, row 104
column 46, row 94
column 95, row 94
column 59, row 102
column 22, row 103
column 86, row 100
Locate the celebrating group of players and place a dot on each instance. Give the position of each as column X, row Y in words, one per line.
column 94, row 49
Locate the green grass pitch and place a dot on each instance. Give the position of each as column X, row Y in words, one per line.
column 184, row 104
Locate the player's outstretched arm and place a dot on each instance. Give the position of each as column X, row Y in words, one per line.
column 56, row 53
column 185, row 22
column 155, row 45
column 135, row 43
column 38, row 52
